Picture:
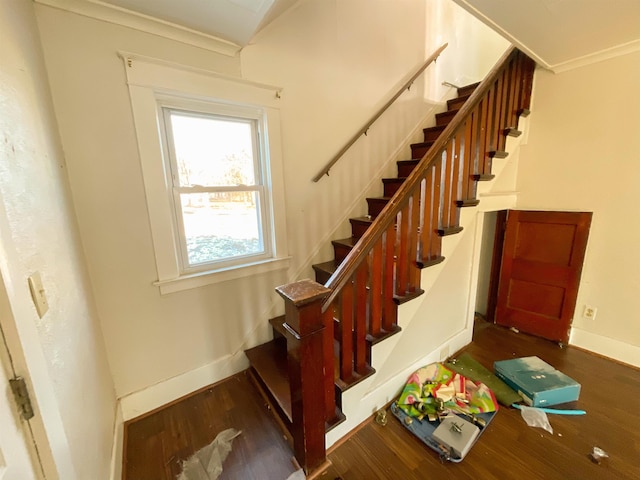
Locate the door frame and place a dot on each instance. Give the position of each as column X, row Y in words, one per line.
column 25, row 435
column 24, row 344
column 496, row 264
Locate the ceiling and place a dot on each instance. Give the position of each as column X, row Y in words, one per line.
column 563, row 34
column 559, row 34
column 234, row 20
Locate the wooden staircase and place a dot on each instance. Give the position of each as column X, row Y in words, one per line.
column 322, row 345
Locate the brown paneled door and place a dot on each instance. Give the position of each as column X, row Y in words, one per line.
column 542, row 260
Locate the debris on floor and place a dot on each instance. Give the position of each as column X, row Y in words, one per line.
column 445, row 410
column 597, row 455
column 206, row 463
column 535, row 417
column 381, row 417
column 466, row 365
column 297, row 475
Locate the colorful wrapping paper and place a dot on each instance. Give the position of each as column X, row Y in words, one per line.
column 457, row 392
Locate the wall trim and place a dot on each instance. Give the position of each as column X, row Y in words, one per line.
column 608, row 347
column 144, row 23
column 150, row 398
column 596, row 57
column 117, row 449
column 577, row 62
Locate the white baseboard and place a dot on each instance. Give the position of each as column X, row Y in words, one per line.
column 118, row 444
column 150, row 398
column 608, row 347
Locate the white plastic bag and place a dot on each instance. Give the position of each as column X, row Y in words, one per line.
column 535, row 418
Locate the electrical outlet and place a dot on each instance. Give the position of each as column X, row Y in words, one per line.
column 589, row 312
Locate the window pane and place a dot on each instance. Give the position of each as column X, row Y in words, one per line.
column 213, row 151
column 220, row 226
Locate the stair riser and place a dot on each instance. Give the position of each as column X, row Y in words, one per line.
column 357, row 229
column 322, row 277
column 376, row 205
column 404, row 169
column 390, row 188
column 419, row 151
column 431, row 134
column 468, row 90
column 340, row 251
column 456, row 103
column 445, row 117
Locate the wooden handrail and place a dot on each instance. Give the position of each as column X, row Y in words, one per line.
column 363, row 130
column 358, row 254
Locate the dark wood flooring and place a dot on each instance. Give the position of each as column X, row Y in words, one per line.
column 508, row 449
column 157, row 443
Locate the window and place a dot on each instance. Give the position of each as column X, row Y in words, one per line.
column 219, row 198
column 212, row 173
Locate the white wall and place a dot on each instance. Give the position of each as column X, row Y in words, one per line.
column 584, row 154
column 64, row 349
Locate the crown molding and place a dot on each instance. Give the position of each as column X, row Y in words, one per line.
column 560, row 67
column 144, row 23
column 596, row 57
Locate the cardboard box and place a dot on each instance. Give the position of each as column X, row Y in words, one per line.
column 539, row 384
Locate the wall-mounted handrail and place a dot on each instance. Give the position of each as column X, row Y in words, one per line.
column 363, row 130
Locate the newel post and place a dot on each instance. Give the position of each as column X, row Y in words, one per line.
column 303, row 321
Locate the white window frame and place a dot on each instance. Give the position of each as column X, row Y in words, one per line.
column 155, row 84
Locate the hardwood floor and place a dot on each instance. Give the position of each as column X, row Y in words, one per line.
column 508, row 449
column 156, row 444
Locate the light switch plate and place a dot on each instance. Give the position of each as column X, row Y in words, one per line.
column 38, row 295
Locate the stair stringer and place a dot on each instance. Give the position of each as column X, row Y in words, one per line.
column 391, row 360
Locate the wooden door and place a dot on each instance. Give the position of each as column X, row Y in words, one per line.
column 542, row 260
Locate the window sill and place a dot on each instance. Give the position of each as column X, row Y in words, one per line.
column 200, row 279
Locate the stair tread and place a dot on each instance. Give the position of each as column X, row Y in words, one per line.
column 349, row 241
column 328, row 267
column 394, row 180
column 408, row 162
column 277, row 323
column 446, row 113
column 422, row 144
column 365, row 219
column 356, row 378
column 270, row 362
column 380, row 199
column 400, row 299
column 446, row 231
